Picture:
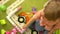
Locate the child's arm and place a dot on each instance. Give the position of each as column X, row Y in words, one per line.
column 36, row 16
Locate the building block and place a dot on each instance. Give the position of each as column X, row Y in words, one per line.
column 3, row 21
column 3, row 31
column 7, row 32
column 3, row 8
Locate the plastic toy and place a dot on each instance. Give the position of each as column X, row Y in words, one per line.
column 33, row 10
column 3, row 22
column 34, row 32
column 26, row 17
column 22, row 19
column 31, row 15
column 19, row 8
column 3, row 31
column 7, row 32
column 20, row 30
column 12, row 32
column 3, row 8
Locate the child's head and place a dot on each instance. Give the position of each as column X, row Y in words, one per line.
column 52, row 10
column 51, row 13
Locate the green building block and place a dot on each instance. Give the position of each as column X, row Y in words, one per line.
column 3, row 31
column 3, row 22
column 3, row 8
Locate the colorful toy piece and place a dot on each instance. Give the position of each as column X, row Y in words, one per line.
column 19, row 8
column 34, row 32
column 21, row 19
column 7, row 32
column 3, row 8
column 33, row 10
column 26, row 17
column 13, row 31
column 3, row 31
column 20, row 30
column 3, row 22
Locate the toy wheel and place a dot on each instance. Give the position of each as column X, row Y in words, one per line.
column 21, row 19
column 25, row 16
